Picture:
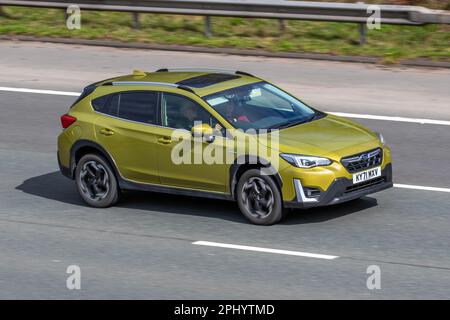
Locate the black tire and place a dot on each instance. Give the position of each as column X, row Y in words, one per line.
column 96, row 181
column 257, row 207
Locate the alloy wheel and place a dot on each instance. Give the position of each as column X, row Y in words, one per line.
column 258, row 197
column 94, row 180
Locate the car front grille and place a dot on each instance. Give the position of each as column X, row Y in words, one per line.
column 363, row 161
column 367, row 184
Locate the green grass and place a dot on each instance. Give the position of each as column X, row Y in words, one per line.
column 391, row 43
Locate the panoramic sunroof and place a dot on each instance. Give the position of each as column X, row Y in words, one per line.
column 207, row 80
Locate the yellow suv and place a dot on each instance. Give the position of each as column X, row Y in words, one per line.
column 217, row 134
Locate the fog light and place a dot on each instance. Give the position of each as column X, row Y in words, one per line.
column 311, row 192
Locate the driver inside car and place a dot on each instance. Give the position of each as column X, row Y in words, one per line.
column 229, row 112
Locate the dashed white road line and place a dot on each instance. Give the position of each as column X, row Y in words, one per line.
column 268, row 250
column 387, row 118
column 54, row 92
column 408, row 186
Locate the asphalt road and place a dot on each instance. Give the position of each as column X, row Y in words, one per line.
column 143, row 248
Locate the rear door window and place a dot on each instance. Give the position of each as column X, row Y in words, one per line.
column 138, row 106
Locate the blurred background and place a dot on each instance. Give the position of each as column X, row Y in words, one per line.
column 391, row 43
column 438, row 4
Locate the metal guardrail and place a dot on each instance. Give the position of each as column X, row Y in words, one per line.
column 275, row 9
column 269, row 9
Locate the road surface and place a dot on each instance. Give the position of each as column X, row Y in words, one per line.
column 145, row 246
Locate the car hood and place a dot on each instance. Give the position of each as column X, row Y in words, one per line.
column 332, row 137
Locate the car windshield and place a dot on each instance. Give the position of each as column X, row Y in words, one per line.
column 260, row 106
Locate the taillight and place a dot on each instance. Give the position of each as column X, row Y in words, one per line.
column 67, row 120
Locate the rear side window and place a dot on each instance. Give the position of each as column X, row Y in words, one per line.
column 137, row 106
column 102, row 104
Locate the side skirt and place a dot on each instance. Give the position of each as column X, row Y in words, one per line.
column 130, row 185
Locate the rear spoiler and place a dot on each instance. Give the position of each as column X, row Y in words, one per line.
column 86, row 91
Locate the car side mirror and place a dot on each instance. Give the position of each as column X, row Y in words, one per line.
column 203, row 130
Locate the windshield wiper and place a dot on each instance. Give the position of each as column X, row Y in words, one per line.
column 317, row 115
column 291, row 123
column 288, row 124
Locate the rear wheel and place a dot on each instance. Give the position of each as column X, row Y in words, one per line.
column 259, row 198
column 96, row 181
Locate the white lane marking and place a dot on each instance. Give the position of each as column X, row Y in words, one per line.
column 259, row 249
column 341, row 114
column 386, row 118
column 25, row 90
column 408, row 186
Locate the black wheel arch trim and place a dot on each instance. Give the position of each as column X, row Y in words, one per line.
column 91, row 144
column 246, row 160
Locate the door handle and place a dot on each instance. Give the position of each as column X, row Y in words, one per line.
column 106, row 132
column 165, row 140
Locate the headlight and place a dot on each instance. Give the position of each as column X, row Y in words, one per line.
column 302, row 161
column 381, row 138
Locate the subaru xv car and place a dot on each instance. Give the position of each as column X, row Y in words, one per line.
column 133, row 132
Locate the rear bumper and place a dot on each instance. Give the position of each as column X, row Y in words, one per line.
column 341, row 190
column 64, row 170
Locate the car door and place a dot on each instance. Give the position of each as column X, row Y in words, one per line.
column 126, row 128
column 188, row 174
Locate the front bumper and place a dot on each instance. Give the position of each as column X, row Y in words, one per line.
column 341, row 190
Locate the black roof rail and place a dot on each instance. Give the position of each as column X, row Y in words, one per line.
column 130, row 83
column 243, row 73
column 186, row 88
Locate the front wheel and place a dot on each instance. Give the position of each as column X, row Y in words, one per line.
column 96, row 182
column 259, row 198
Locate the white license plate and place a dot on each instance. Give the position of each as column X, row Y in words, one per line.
column 366, row 175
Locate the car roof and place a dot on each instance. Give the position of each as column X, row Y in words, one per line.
column 201, row 83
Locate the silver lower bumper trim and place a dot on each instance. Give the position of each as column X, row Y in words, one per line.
column 300, row 193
